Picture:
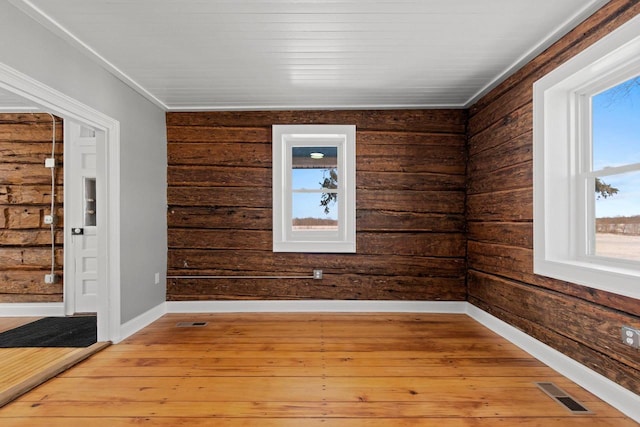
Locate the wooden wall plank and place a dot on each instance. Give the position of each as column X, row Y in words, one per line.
column 392, row 220
column 215, row 197
column 25, row 198
column 28, row 194
column 372, row 180
column 444, row 202
column 510, row 127
column 253, row 262
column 27, row 173
column 446, row 159
column 28, row 283
column 29, row 238
column 410, row 203
column 510, row 205
column 233, row 217
column 30, row 130
column 518, row 234
column 346, row 287
column 219, row 176
column 190, row 131
column 582, row 323
column 509, row 178
column 29, row 298
column 514, row 151
column 430, row 121
column 252, row 155
column 27, row 258
column 27, row 152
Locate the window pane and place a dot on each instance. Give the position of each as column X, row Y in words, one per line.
column 89, row 202
column 314, row 168
column 314, row 179
column 315, row 211
column 617, row 202
column 616, row 125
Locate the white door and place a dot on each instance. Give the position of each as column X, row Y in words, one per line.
column 81, row 216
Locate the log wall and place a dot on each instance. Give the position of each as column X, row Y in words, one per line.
column 580, row 322
column 25, row 197
column 410, row 208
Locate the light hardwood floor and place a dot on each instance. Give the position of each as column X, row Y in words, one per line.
column 308, row 370
column 8, row 323
column 21, row 369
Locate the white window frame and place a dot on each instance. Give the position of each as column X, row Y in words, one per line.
column 285, row 137
column 561, row 114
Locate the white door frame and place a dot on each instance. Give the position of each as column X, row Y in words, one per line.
column 108, row 177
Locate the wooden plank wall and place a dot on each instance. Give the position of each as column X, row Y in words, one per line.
column 25, row 197
column 410, row 208
column 580, row 322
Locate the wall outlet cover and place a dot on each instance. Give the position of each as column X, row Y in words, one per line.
column 631, row 336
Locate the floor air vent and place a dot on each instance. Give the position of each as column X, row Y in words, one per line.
column 557, row 394
column 191, row 324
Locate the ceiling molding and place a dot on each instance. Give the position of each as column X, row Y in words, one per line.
column 318, row 107
column 589, row 9
column 52, row 25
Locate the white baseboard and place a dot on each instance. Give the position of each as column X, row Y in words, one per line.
column 32, row 309
column 615, row 395
column 319, row 306
column 137, row 323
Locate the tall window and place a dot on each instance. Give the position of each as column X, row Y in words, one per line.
column 586, row 153
column 313, row 188
column 613, row 176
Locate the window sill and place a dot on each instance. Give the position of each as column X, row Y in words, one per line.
column 619, row 280
column 315, row 247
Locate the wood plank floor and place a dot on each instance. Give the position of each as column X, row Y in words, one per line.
column 308, row 370
column 23, row 368
column 8, row 323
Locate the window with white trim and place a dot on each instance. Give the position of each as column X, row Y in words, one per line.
column 587, row 166
column 314, row 188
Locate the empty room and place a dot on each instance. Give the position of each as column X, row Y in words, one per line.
column 320, row 213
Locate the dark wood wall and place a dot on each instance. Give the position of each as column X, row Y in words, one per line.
column 25, row 197
column 580, row 322
column 410, row 208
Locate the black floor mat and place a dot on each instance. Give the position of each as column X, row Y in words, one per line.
column 53, row 332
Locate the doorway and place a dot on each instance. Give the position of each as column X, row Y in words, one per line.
column 107, row 188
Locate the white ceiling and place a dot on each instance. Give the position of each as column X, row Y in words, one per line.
column 10, row 102
column 275, row 54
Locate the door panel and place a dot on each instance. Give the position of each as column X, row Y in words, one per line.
column 82, row 214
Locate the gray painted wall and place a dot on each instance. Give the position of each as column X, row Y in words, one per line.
column 28, row 47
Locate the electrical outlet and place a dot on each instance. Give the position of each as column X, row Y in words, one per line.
column 50, row 278
column 631, row 337
column 50, row 219
column 317, row 274
column 50, row 162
